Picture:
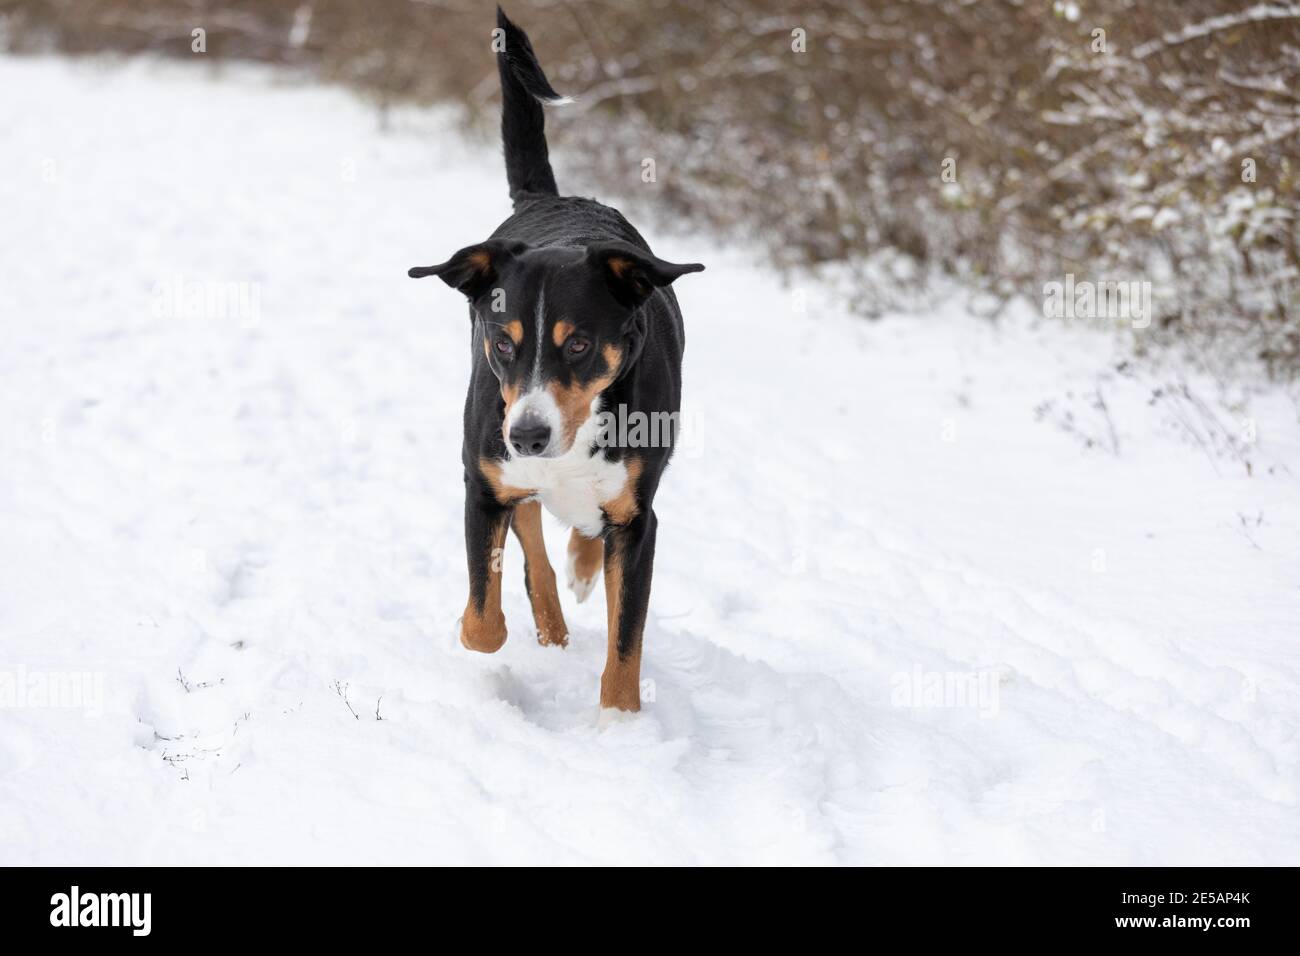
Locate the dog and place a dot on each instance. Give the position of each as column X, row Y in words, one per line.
column 573, row 319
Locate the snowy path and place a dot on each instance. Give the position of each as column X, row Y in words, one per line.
column 236, row 521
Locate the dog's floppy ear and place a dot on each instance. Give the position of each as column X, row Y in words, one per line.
column 632, row 273
column 473, row 269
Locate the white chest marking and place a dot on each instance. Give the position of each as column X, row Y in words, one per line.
column 572, row 486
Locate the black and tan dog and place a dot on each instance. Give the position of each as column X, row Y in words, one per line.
column 572, row 317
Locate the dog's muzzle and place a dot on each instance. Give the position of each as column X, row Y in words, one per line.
column 530, row 436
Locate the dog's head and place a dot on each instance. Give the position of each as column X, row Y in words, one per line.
column 558, row 326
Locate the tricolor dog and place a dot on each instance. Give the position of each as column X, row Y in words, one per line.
column 572, row 315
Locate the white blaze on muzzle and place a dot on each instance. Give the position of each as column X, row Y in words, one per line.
column 534, row 408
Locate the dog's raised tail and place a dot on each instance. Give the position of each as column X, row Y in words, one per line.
column 524, row 88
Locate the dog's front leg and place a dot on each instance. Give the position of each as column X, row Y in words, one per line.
column 483, row 626
column 539, row 576
column 629, row 563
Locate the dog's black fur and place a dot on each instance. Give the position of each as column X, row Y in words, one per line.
column 565, row 295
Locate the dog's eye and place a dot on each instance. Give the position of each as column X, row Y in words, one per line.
column 505, row 347
column 577, row 346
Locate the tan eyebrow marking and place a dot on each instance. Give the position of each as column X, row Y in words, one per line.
column 515, row 329
column 561, row 332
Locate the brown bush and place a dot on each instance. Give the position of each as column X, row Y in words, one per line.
column 1119, row 158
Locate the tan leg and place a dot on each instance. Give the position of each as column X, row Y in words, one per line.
column 586, row 556
column 620, row 684
column 483, row 626
column 539, row 577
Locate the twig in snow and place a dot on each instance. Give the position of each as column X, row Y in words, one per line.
column 1247, row 524
column 1102, row 407
column 189, row 688
column 342, row 691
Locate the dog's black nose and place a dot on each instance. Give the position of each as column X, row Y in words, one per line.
column 530, row 437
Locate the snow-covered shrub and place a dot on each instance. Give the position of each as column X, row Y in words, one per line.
column 1009, row 142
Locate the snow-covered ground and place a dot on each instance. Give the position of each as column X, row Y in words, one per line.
column 898, row 616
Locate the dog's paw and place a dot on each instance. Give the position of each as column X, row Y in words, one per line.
column 555, row 636
column 580, row 586
column 613, row 715
column 483, row 633
column 586, row 558
column 551, row 629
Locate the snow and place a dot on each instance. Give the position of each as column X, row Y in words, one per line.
column 897, row 618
